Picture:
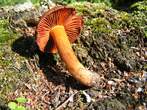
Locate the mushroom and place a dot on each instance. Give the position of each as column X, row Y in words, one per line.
column 61, row 26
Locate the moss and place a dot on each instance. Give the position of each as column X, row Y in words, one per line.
column 95, row 15
column 65, row 2
column 9, row 81
column 138, row 19
column 121, row 20
column 139, row 16
column 102, row 18
column 13, row 70
column 4, row 32
column 13, row 73
column 89, row 9
column 100, row 25
column 142, row 6
column 110, row 33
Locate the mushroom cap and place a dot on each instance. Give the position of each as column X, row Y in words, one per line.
column 61, row 15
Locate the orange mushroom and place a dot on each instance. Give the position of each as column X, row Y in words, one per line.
column 61, row 26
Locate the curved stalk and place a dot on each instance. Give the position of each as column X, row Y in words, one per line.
column 77, row 70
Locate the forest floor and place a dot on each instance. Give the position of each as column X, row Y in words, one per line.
column 113, row 43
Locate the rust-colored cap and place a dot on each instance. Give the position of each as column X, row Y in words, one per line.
column 60, row 15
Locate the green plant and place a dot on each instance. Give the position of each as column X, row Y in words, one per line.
column 107, row 2
column 18, row 104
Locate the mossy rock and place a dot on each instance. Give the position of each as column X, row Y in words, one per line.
column 109, row 33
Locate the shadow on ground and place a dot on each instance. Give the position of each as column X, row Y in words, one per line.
column 3, row 105
column 27, row 47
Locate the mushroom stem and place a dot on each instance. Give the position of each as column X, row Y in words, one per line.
column 77, row 70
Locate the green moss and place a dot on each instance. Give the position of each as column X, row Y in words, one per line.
column 107, row 2
column 13, row 73
column 4, row 32
column 108, row 31
column 13, row 70
column 103, row 19
column 9, row 82
column 142, row 6
column 100, row 25
column 139, row 16
column 100, row 17
column 89, row 9
column 123, row 16
column 95, row 15
column 138, row 19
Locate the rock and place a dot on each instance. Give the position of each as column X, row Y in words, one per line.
column 27, row 6
column 139, row 90
column 112, row 83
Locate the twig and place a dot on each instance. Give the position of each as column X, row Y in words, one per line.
column 88, row 98
column 65, row 103
column 43, row 98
